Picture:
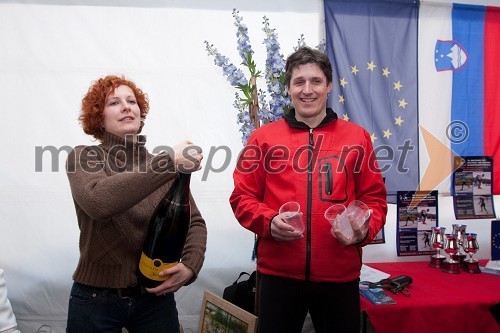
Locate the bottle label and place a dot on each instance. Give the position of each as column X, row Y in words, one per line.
column 151, row 268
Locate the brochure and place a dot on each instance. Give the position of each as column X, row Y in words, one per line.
column 417, row 215
column 472, row 188
column 376, row 296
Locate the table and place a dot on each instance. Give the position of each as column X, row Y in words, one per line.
column 439, row 302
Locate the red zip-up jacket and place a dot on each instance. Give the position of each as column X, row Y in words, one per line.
column 288, row 161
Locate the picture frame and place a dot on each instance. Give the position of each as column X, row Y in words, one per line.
column 219, row 315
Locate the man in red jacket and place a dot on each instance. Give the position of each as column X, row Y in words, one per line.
column 317, row 160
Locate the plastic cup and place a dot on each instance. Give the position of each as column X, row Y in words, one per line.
column 358, row 211
column 334, row 212
column 290, row 213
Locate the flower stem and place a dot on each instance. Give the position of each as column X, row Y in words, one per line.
column 253, row 107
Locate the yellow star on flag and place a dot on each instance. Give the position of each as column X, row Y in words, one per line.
column 398, row 85
column 385, row 72
column 387, row 133
column 343, row 82
column 341, row 99
column 371, row 66
column 346, row 117
column 354, row 70
column 398, row 121
column 373, row 137
column 402, row 103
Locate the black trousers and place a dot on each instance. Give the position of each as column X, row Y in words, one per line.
column 283, row 305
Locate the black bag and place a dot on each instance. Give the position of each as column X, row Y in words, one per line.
column 242, row 293
column 399, row 284
column 396, row 285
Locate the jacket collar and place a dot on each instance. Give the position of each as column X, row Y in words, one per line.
column 294, row 123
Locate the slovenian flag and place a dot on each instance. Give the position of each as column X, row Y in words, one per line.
column 459, row 79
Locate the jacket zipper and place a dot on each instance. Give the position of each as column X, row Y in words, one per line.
column 309, row 202
column 328, row 178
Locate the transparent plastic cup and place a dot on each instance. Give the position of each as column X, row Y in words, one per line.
column 358, row 211
column 334, row 212
column 290, row 213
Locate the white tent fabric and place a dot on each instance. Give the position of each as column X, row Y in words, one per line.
column 51, row 51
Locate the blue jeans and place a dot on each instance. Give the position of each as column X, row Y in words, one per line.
column 100, row 310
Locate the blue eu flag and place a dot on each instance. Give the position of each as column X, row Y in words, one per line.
column 495, row 240
column 373, row 49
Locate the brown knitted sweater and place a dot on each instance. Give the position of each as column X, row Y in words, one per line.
column 116, row 187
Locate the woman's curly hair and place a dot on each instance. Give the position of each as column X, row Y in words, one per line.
column 92, row 115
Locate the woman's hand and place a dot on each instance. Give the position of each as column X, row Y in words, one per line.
column 178, row 276
column 187, row 157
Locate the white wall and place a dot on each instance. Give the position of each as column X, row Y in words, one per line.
column 50, row 51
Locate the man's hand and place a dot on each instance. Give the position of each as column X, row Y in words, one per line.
column 281, row 231
column 359, row 232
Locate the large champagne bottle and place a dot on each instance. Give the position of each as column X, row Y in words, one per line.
column 167, row 233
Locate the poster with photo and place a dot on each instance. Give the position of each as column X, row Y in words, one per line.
column 472, row 188
column 379, row 237
column 417, row 214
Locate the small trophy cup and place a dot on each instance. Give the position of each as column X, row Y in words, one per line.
column 459, row 232
column 471, row 246
column 451, row 247
column 437, row 241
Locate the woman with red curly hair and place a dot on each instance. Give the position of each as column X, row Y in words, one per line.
column 116, row 186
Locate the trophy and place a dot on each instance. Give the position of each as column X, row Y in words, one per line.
column 437, row 241
column 459, row 232
column 471, row 246
column 451, row 247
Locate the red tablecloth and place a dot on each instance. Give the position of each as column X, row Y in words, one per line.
column 439, row 302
